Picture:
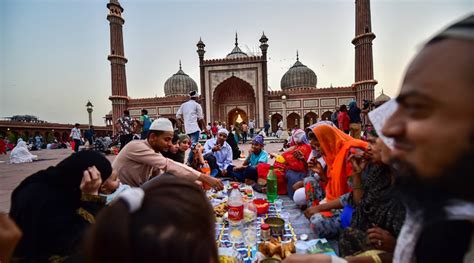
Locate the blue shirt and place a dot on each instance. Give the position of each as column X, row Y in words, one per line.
column 223, row 157
column 354, row 115
column 255, row 159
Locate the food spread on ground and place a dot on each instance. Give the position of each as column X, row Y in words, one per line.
column 246, row 244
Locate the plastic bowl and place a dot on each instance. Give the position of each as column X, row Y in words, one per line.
column 262, row 206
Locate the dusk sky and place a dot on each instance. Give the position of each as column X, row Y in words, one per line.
column 53, row 53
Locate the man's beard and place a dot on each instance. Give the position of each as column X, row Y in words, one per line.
column 430, row 195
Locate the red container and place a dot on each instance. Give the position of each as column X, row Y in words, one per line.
column 262, row 206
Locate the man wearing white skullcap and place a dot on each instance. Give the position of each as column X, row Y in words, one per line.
column 218, row 153
column 141, row 160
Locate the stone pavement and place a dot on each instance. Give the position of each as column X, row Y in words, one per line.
column 12, row 174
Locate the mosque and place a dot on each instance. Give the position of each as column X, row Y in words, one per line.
column 236, row 87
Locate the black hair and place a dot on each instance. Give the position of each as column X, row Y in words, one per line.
column 168, row 227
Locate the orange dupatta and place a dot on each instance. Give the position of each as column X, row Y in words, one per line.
column 335, row 145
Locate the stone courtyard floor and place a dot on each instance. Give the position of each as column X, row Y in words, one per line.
column 12, row 174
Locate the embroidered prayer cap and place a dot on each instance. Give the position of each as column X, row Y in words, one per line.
column 161, row 124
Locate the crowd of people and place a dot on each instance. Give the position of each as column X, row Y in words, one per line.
column 405, row 200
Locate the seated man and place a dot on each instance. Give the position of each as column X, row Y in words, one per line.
column 218, row 153
column 248, row 171
column 141, row 160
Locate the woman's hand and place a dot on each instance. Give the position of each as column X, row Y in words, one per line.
column 311, row 211
column 358, row 163
column 381, row 239
column 91, row 181
column 298, row 185
column 298, row 155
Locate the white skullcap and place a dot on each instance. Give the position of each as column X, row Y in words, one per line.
column 161, row 124
column 193, row 94
column 224, row 131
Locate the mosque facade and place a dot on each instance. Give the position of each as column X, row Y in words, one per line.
column 237, row 85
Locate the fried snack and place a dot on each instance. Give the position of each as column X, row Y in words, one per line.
column 277, row 249
column 220, row 209
column 288, row 249
column 274, row 248
column 263, row 248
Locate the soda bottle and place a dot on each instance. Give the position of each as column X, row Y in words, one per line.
column 236, row 206
column 272, row 186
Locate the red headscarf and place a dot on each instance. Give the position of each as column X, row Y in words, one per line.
column 335, row 145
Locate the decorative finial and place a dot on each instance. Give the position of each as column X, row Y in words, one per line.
column 180, row 64
column 297, row 56
column 236, row 38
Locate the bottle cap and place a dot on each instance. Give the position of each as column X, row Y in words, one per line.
column 265, row 226
column 235, row 186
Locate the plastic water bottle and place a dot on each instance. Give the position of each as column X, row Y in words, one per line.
column 236, row 206
column 272, row 186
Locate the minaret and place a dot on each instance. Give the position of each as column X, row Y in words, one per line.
column 264, row 47
column 117, row 60
column 200, row 45
column 364, row 68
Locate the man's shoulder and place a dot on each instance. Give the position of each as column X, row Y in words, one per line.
column 136, row 145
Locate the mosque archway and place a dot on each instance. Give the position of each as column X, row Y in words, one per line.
column 293, row 121
column 236, row 116
column 233, row 93
column 326, row 116
column 310, row 118
column 276, row 118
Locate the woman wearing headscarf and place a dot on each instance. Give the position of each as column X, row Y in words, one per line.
column 20, row 153
column 295, row 160
column 53, row 207
column 335, row 147
column 378, row 212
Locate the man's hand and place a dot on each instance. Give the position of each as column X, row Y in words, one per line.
column 381, row 239
column 311, row 211
column 216, row 148
column 213, row 182
column 91, row 181
column 10, row 234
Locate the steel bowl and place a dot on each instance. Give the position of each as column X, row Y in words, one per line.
column 277, row 226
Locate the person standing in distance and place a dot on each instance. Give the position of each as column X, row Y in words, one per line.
column 76, row 136
column 190, row 113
